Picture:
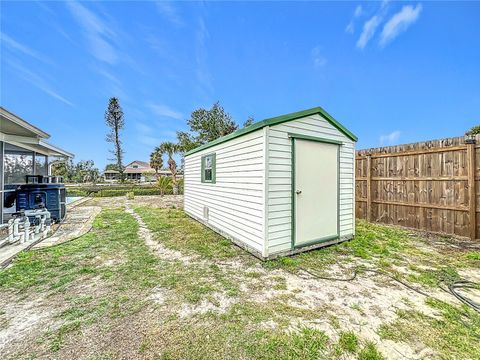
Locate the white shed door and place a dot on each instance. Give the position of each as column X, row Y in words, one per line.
column 315, row 192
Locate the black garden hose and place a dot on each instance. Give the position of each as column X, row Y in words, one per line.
column 356, row 271
column 464, row 284
column 451, row 287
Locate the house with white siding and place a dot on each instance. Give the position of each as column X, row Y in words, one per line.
column 278, row 187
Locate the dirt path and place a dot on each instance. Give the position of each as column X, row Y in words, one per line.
column 156, row 246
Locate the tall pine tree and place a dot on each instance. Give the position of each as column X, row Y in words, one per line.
column 114, row 120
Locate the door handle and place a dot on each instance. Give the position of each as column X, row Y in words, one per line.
column 298, row 192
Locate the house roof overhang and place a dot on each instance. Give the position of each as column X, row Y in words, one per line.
column 35, row 144
column 18, row 132
column 13, row 124
column 274, row 121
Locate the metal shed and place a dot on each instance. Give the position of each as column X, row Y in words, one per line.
column 278, row 187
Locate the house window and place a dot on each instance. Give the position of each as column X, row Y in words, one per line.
column 208, row 168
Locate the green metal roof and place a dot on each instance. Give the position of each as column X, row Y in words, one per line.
column 275, row 121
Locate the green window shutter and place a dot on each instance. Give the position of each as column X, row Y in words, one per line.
column 202, row 170
column 214, row 168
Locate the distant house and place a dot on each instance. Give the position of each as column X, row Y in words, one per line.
column 111, row 175
column 137, row 170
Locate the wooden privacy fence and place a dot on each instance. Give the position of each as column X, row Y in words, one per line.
column 432, row 186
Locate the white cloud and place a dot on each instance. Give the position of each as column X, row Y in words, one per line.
column 16, row 46
column 203, row 75
column 369, row 29
column 390, row 139
column 50, row 18
column 143, row 128
column 351, row 25
column 113, row 85
column 109, row 76
column 350, row 28
column 98, row 33
column 38, row 81
column 358, row 11
column 149, row 140
column 399, row 22
column 158, row 45
column 318, row 59
column 146, row 134
column 165, row 111
column 169, row 134
column 166, row 9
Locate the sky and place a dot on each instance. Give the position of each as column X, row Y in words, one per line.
column 391, row 72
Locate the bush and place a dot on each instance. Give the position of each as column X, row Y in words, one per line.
column 121, row 190
column 164, row 185
column 474, row 130
column 76, row 192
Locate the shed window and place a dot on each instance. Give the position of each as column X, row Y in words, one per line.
column 208, row 168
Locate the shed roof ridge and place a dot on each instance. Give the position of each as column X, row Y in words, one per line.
column 277, row 120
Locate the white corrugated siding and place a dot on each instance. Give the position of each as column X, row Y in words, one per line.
column 279, row 179
column 236, row 200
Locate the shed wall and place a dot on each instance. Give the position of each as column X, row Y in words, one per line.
column 236, row 200
column 279, row 197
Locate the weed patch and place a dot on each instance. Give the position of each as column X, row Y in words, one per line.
column 454, row 334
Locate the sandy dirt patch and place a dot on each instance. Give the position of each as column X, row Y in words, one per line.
column 157, row 247
column 21, row 318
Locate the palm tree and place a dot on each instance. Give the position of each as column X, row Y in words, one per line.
column 170, row 149
column 156, row 160
column 164, row 183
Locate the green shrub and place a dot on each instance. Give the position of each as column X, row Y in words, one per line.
column 130, row 195
column 123, row 190
column 474, row 130
column 164, row 185
column 120, row 192
column 76, row 192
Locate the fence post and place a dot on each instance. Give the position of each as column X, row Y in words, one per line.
column 472, row 196
column 369, row 188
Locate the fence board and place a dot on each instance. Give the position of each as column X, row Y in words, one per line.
column 431, row 185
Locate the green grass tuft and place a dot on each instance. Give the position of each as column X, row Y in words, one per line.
column 348, row 342
column 370, row 352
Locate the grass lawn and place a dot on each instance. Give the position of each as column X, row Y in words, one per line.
column 193, row 295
